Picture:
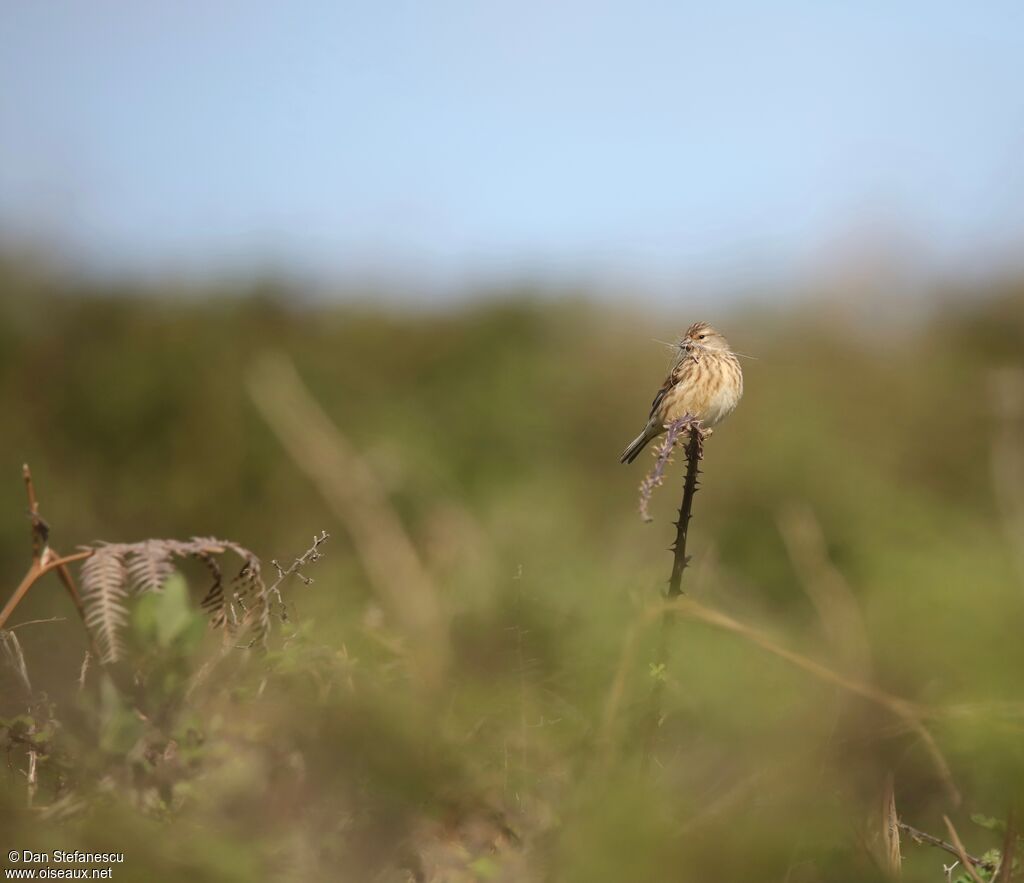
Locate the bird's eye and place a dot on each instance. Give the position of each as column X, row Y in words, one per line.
column 701, row 336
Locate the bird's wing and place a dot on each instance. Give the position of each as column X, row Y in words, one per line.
column 674, row 376
column 670, row 381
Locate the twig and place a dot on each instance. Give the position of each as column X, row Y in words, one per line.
column 44, row 558
column 311, row 554
column 39, row 568
column 40, row 529
column 64, row 575
column 662, row 457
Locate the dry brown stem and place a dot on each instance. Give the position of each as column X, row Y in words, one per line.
column 44, row 557
column 49, row 561
column 969, row 862
column 826, row 587
column 910, row 714
column 1006, row 388
column 352, row 490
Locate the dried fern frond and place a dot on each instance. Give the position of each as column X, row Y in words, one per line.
column 213, row 601
column 116, row 572
column 250, row 592
column 150, row 565
column 104, row 593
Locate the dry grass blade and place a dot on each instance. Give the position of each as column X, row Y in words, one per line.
column 907, row 712
column 892, row 860
column 83, row 672
column 1006, row 393
column 965, row 859
column 16, row 659
column 901, row 708
column 826, row 587
column 617, row 692
column 351, row 489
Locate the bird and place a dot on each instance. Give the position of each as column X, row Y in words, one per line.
column 706, row 382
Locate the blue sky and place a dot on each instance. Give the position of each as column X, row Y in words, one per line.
column 438, row 141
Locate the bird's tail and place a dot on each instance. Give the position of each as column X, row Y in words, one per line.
column 634, row 448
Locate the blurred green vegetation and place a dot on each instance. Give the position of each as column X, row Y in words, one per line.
column 496, row 428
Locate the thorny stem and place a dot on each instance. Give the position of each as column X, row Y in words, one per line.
column 922, row 837
column 694, row 454
column 675, row 603
column 311, row 554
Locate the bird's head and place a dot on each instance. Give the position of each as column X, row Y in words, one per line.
column 701, row 336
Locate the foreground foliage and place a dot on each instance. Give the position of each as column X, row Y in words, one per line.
column 862, row 511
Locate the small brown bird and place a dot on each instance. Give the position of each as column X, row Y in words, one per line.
column 705, row 382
